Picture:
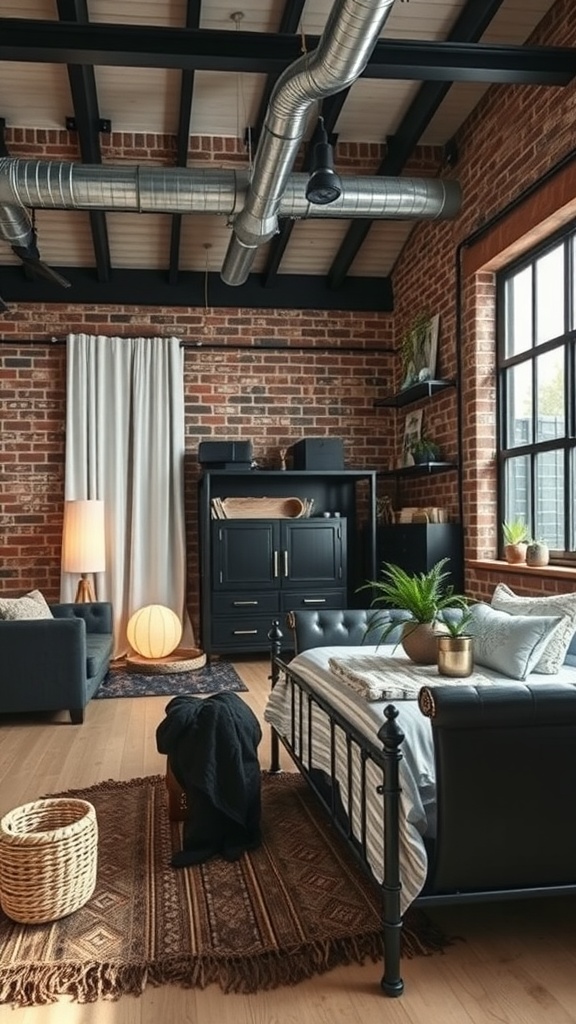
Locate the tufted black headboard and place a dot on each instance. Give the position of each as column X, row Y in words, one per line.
column 342, row 627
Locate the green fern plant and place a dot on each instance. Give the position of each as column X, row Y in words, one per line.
column 422, row 595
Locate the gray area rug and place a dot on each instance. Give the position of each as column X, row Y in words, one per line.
column 215, row 678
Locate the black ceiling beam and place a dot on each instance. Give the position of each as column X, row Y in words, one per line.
column 151, row 288
column 117, row 45
column 331, row 108
column 193, row 8
column 87, row 117
column 469, row 26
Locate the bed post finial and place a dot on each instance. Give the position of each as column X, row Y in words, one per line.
column 391, row 737
column 275, row 636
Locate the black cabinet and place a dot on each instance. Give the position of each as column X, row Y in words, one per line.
column 255, row 570
column 416, row 547
column 262, row 568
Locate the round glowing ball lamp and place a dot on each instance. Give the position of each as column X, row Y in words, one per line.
column 154, row 631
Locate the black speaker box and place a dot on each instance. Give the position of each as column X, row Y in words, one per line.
column 318, row 453
column 222, row 453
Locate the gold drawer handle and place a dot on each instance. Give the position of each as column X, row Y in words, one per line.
column 245, row 632
column 240, row 604
column 314, row 600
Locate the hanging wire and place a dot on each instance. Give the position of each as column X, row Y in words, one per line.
column 207, row 247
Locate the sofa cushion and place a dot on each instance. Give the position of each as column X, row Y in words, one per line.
column 32, row 606
column 98, row 651
column 510, row 644
column 555, row 652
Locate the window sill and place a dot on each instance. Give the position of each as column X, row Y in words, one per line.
column 559, row 572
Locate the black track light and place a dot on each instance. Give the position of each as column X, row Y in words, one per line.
column 324, row 185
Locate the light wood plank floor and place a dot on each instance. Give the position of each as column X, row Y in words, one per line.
column 514, row 963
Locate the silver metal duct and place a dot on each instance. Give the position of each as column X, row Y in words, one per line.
column 345, row 46
column 40, row 184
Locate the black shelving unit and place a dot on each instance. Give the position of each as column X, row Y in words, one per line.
column 223, row 556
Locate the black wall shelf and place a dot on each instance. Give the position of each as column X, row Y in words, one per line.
column 424, row 469
column 424, row 389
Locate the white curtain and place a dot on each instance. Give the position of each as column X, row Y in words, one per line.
column 125, row 446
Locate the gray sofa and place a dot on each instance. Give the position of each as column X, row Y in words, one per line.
column 55, row 664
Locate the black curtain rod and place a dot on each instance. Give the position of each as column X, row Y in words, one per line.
column 284, row 348
column 235, row 346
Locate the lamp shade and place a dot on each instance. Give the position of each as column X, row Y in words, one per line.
column 83, row 542
column 154, row 631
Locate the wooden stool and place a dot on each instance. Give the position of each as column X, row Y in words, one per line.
column 177, row 802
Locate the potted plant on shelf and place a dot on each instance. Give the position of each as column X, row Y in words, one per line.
column 423, row 596
column 516, row 538
column 423, row 451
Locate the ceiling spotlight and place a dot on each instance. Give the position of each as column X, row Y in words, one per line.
column 324, row 185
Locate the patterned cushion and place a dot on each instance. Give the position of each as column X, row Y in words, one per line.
column 510, row 644
column 32, row 606
column 552, row 658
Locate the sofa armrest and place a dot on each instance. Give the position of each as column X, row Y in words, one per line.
column 42, row 664
column 96, row 614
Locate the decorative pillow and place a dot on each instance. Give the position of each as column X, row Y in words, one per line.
column 510, row 644
column 31, row 606
column 554, row 655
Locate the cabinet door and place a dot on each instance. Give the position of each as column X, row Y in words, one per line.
column 245, row 554
column 312, row 552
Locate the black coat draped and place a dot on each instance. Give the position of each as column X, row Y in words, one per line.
column 211, row 744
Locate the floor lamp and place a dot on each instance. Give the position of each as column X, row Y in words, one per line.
column 83, row 547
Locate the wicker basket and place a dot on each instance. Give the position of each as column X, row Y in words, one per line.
column 48, row 858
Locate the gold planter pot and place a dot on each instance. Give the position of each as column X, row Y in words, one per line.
column 455, row 656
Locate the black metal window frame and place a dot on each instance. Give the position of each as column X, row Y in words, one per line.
column 566, row 443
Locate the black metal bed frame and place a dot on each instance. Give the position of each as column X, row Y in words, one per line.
column 387, row 759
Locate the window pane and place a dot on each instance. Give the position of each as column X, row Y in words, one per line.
column 550, row 421
column 550, row 295
column 519, row 405
column 549, row 525
column 517, row 488
column 518, row 304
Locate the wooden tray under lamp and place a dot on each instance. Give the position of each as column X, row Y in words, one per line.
column 183, row 659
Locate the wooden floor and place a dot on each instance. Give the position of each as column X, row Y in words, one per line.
column 513, row 963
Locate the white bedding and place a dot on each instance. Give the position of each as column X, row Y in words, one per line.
column 417, row 776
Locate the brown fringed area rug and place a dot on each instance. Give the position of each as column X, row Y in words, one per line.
column 295, row 907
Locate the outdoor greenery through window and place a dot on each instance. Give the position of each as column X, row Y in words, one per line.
column 537, row 393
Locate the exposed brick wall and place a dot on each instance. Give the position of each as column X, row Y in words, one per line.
column 513, row 137
column 271, row 377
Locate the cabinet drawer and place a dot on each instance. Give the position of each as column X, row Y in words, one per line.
column 297, row 600
column 243, row 604
column 236, row 634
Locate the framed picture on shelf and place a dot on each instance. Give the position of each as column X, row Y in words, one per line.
column 412, row 433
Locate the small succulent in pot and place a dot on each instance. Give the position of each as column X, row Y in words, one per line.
column 424, row 450
column 516, row 538
column 537, row 553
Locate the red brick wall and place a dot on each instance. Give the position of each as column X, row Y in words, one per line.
column 515, row 135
